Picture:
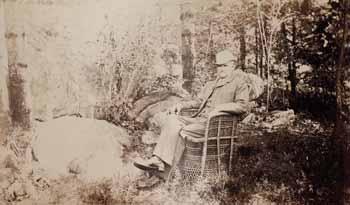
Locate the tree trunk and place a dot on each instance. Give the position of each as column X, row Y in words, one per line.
column 287, row 55
column 342, row 128
column 293, row 73
column 210, row 53
column 187, row 46
column 18, row 85
column 19, row 78
column 212, row 59
column 261, row 61
column 265, row 32
column 243, row 52
column 4, row 99
column 260, row 48
column 256, row 49
column 339, row 80
column 346, row 134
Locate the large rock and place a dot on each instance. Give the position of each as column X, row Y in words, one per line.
column 92, row 148
column 283, row 118
column 279, row 119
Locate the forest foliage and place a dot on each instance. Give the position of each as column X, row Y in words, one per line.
column 293, row 45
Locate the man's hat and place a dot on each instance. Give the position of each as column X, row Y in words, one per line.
column 223, row 57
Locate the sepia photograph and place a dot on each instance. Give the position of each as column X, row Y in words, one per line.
column 218, row 102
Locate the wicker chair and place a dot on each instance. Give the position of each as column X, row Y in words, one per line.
column 213, row 154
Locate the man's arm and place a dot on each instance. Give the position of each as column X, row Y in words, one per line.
column 195, row 103
column 183, row 105
column 241, row 102
column 192, row 103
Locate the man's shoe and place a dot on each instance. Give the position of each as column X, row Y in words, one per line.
column 152, row 164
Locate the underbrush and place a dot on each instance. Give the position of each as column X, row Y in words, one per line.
column 303, row 169
column 108, row 191
column 298, row 164
column 124, row 191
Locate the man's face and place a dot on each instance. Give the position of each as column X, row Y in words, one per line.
column 224, row 70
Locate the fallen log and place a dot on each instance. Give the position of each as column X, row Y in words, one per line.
column 152, row 99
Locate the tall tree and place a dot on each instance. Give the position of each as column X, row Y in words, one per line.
column 340, row 70
column 270, row 17
column 242, row 44
column 19, row 78
column 19, row 90
column 342, row 125
column 287, row 58
column 261, row 57
column 187, row 46
column 292, row 69
column 4, row 103
column 256, row 48
column 318, row 46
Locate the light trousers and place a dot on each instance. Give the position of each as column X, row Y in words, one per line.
column 174, row 129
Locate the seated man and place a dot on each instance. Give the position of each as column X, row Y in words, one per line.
column 228, row 93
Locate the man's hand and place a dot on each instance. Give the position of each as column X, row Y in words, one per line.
column 175, row 109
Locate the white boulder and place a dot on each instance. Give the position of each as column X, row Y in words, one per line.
column 89, row 147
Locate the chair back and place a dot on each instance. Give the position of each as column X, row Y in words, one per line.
column 212, row 154
column 220, row 142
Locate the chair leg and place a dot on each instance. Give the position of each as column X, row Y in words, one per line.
column 233, row 134
column 218, row 147
column 205, row 146
column 233, row 144
column 231, row 156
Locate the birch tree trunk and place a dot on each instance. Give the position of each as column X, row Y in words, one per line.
column 19, row 76
column 210, row 52
column 187, row 46
column 4, row 98
column 256, row 49
column 261, row 57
